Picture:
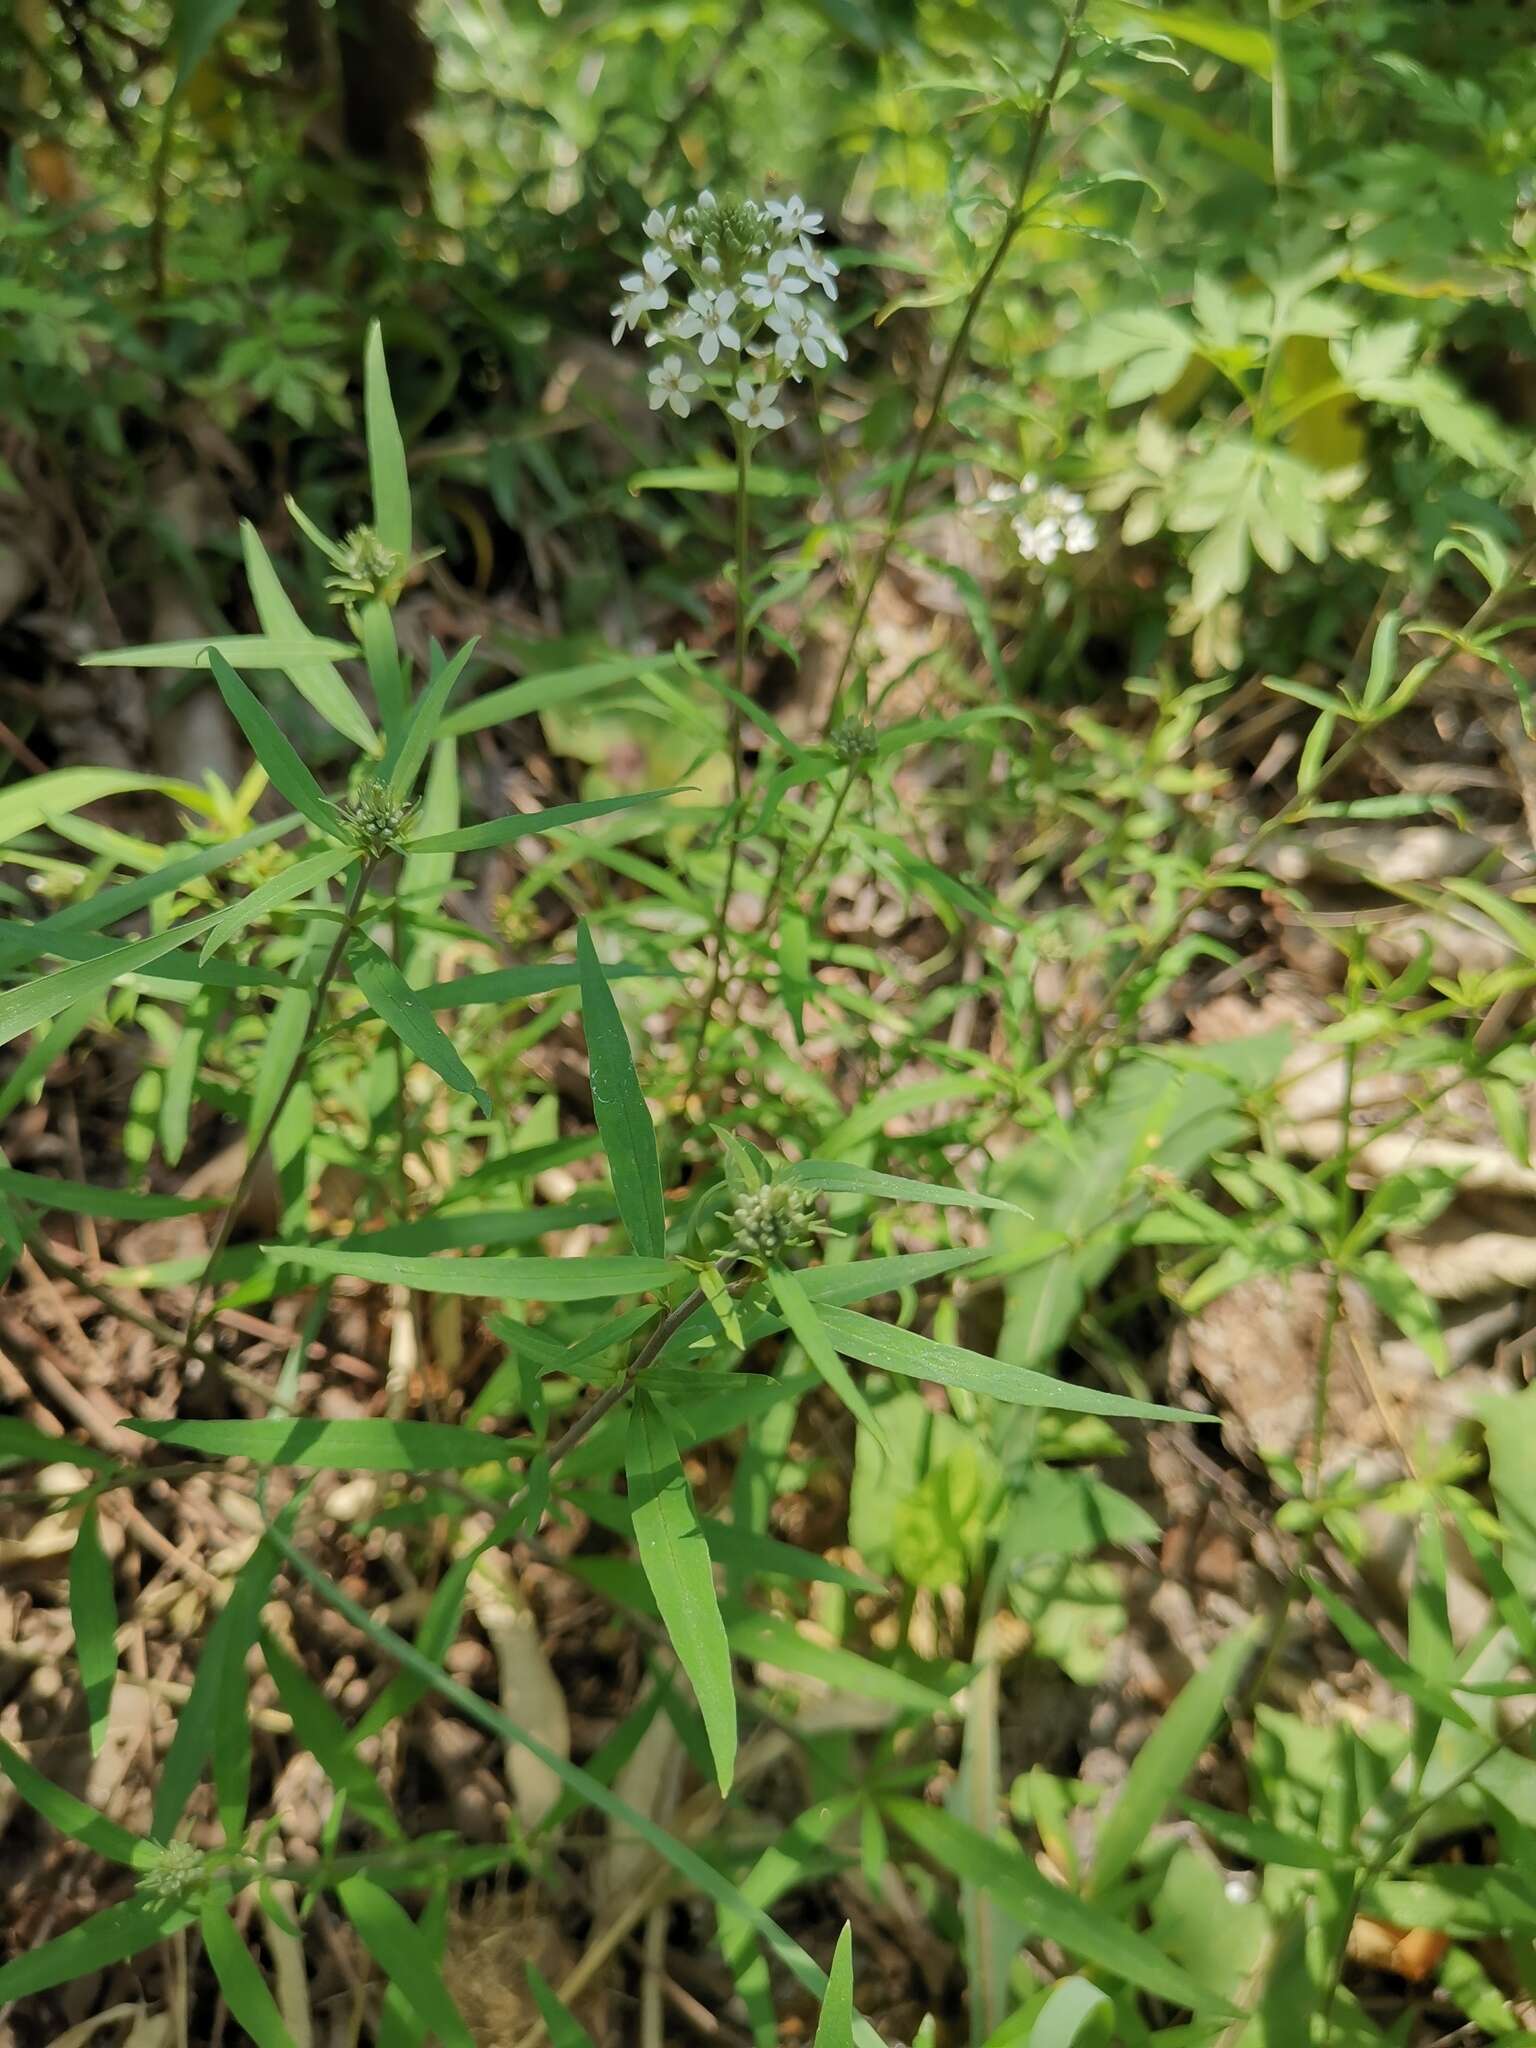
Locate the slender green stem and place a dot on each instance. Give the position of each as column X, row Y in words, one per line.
column 259, row 1140
column 720, row 927
column 1018, row 213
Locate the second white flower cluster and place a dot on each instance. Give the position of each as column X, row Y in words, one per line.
column 722, row 286
column 1048, row 520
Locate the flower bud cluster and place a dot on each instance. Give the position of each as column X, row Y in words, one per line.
column 772, row 1221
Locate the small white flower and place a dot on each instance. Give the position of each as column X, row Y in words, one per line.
column 645, row 292
column 657, row 266
column 1029, row 483
column 819, row 269
column 1080, row 534
column 672, row 383
column 1039, row 540
column 792, row 217
column 706, row 201
column 708, row 321
column 658, row 223
column 753, row 405
column 801, row 331
column 629, row 312
column 775, row 287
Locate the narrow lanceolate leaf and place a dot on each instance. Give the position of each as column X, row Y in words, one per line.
column 314, row 676
column 245, row 1990
column 37, row 1001
column 318, row 1728
column 1083, row 1930
column 77, row 1198
column 373, row 1445
column 676, row 1561
column 386, row 451
column 623, row 1120
column 835, row 2027
column 405, row 1956
column 93, row 1614
column 391, row 997
column 277, row 890
column 835, row 1177
column 489, row 1279
column 924, row 1358
column 272, row 748
column 110, row 1936
column 1166, row 1759
column 1076, row 2015
column 818, row 1347
column 561, row 2025
column 251, row 650
column 527, row 824
column 71, row 1816
column 405, row 759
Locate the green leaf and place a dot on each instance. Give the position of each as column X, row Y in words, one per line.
column 1166, row 1759
column 93, row 1614
column 386, row 451
column 542, row 692
column 44, row 799
column 421, row 728
column 24, row 1442
column 528, row 824
column 1076, row 2014
column 318, row 1728
column 1373, row 1648
column 72, row 1817
column 562, row 2026
column 1082, row 1929
column 111, row 1936
column 513, row 984
column 251, row 650
column 720, row 480
column 924, row 1358
column 277, row 890
column 314, row 677
column 22, row 1008
column 404, row 1954
column 599, row 1279
column 818, row 1348
column 245, row 1990
column 835, row 1177
column 676, row 1561
column 346, row 1446
column 74, row 1198
column 272, row 749
column 195, row 26
column 623, row 1120
column 391, row 997
column 835, row 2027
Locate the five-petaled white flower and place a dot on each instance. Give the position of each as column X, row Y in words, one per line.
column 818, row 269
column 801, row 331
column 708, row 321
column 792, row 217
column 673, row 383
column 753, row 405
column 776, row 286
column 658, row 222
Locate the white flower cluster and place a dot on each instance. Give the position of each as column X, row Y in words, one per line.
column 1049, row 520
column 726, row 282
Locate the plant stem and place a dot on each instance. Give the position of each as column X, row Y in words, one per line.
column 743, row 630
column 1017, row 214
column 259, row 1140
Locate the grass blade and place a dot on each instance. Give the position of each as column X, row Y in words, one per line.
column 111, row 1936
column 623, row 1119
column 405, row 1956
column 245, row 1990
column 93, row 1613
column 391, row 997
column 315, row 677
column 835, row 2027
column 562, row 2026
column 676, row 1561
column 386, row 451
column 272, row 748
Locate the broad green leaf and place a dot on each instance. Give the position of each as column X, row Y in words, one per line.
column 347, row 1446
column 835, row 1177
column 245, row 1989
column 277, row 890
column 110, row 1936
column 1076, row 1925
column 386, row 451
column 562, row 2026
column 676, row 1561
column 818, row 1348
column 251, row 650
column 623, row 1119
column 93, row 1615
column 405, row 1956
column 37, row 1001
column 44, row 799
column 693, row 1868
column 528, row 824
column 272, row 749
column 834, row 2029
column 72, row 1817
column 421, row 728
column 391, row 997
column 1166, row 1759
column 924, row 1358
column 584, row 1279
column 315, row 678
